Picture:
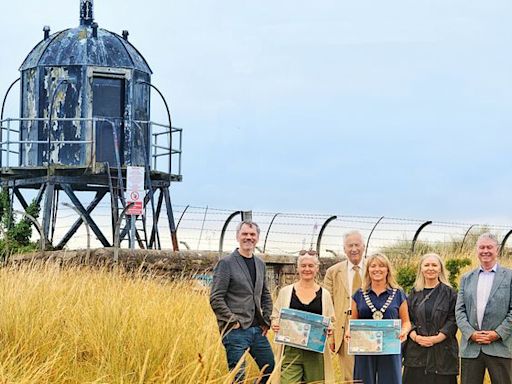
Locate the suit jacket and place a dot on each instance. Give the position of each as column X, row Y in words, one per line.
column 497, row 315
column 233, row 297
column 283, row 301
column 335, row 282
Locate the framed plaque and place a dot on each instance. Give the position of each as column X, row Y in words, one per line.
column 374, row 337
column 303, row 330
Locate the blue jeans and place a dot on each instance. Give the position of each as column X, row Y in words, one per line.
column 237, row 341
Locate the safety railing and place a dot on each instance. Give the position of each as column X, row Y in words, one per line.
column 18, row 151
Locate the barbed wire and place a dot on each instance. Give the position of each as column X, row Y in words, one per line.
column 200, row 227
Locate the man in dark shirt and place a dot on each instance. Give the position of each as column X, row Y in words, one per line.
column 242, row 303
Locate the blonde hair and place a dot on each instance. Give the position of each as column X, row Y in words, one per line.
column 419, row 283
column 381, row 259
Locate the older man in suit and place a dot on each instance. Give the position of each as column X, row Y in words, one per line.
column 342, row 280
column 484, row 316
column 242, row 303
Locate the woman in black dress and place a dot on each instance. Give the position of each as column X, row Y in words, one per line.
column 431, row 352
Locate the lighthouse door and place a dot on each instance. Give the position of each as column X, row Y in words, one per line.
column 108, row 103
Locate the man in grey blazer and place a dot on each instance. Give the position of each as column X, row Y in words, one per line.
column 242, row 303
column 484, row 316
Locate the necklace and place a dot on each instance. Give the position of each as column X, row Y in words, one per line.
column 378, row 314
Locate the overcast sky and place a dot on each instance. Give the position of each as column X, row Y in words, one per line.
column 396, row 108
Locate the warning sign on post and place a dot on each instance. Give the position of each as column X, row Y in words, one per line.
column 135, row 190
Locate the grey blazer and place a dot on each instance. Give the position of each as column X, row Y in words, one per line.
column 497, row 315
column 233, row 297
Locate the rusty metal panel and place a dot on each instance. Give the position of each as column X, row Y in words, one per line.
column 29, row 110
column 61, row 91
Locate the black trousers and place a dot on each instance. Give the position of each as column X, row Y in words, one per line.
column 417, row 375
column 473, row 370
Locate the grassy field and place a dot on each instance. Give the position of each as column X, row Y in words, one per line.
column 90, row 326
column 98, row 326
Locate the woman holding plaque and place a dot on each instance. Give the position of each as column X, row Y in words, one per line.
column 431, row 353
column 301, row 365
column 380, row 298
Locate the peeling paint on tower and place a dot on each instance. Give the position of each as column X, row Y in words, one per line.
column 76, row 75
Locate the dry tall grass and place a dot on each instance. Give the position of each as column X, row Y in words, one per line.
column 89, row 326
column 79, row 325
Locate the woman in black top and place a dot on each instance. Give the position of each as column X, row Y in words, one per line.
column 431, row 352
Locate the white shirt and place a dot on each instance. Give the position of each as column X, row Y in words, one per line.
column 483, row 290
column 351, row 272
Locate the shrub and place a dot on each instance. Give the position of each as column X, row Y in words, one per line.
column 454, row 266
column 406, row 275
column 15, row 235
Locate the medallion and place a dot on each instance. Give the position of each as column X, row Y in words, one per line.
column 378, row 315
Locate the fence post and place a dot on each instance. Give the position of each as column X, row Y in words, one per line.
column 116, row 233
column 38, row 226
column 504, row 241
column 224, row 227
column 415, row 238
column 465, row 235
column 88, row 252
column 181, row 217
column 321, row 233
column 370, row 235
column 268, row 231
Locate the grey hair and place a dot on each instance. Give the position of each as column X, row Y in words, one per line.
column 302, row 257
column 488, row 236
column 419, row 284
column 352, row 233
column 250, row 223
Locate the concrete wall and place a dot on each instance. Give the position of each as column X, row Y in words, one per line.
column 280, row 268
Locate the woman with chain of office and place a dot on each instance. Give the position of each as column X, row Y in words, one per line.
column 380, row 298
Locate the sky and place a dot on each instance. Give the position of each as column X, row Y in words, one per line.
column 396, row 108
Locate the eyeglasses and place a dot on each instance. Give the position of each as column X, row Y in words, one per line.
column 310, row 252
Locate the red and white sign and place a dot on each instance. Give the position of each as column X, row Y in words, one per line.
column 135, row 190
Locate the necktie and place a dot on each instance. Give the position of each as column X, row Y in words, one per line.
column 356, row 282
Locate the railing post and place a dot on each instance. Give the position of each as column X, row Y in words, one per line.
column 8, row 141
column 5, row 98
column 140, row 81
column 93, row 145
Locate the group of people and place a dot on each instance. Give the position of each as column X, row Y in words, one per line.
column 366, row 288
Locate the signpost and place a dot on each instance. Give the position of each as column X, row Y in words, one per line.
column 135, row 195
